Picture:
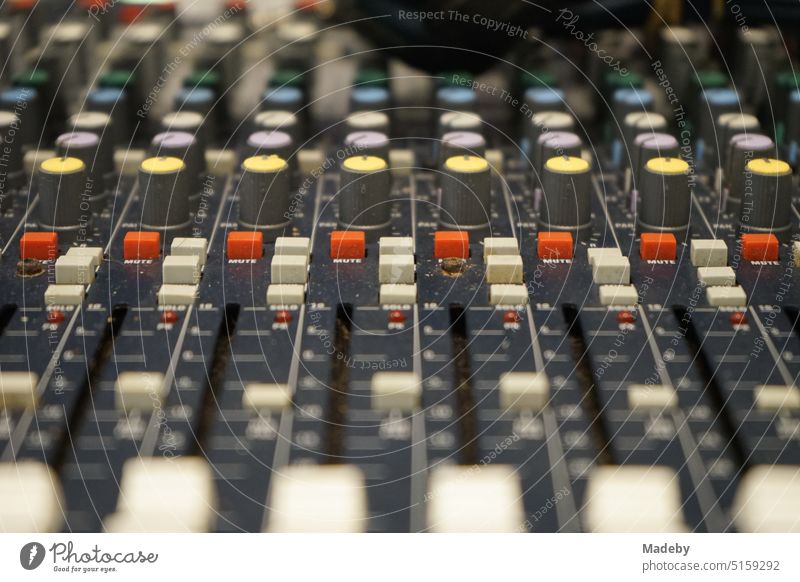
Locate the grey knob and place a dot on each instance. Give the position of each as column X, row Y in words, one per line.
column 456, row 143
column 278, row 120
column 767, row 203
column 731, row 124
column 553, row 144
column 164, row 189
column 566, row 189
column 86, row 147
column 466, row 200
column 544, row 122
column 666, row 198
column 63, row 204
column 741, row 149
column 264, row 192
column 367, row 121
column 647, row 146
column 12, row 154
column 640, row 122
column 184, row 146
column 186, row 121
column 364, row 192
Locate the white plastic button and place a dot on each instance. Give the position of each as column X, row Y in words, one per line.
column 289, row 269
column 18, row 390
column 776, row 398
column 504, row 269
column 595, row 253
column 285, row 295
column 618, row 295
column 611, row 270
column 190, row 246
column 75, row 270
column 293, row 245
column 726, row 296
column 708, row 252
column 160, row 494
column 30, row 498
column 524, row 390
column 651, row 397
column 396, row 245
column 170, row 294
column 398, row 294
column 139, row 390
column 508, row 295
column 633, row 499
column 96, row 253
column 500, row 245
column 64, row 295
column 263, row 396
column 181, row 269
column 768, row 500
column 396, row 390
column 396, row 269
column 463, row 499
column 318, row 498
column 717, row 276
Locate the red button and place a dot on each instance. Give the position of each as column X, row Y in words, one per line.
column 760, row 247
column 245, row 245
column 451, row 244
column 348, row 244
column 39, row 245
column 658, row 247
column 554, row 245
column 140, row 245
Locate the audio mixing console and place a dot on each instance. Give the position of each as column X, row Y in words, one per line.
column 258, row 275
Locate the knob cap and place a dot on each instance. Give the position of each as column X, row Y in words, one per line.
column 187, row 121
column 459, row 121
column 185, row 147
column 279, row 120
column 263, row 143
column 62, row 201
column 86, row 147
column 364, row 193
column 665, row 194
column 545, row 99
column 456, row 143
column 367, row 121
column 553, row 144
column 367, row 143
column 741, row 149
column 264, row 193
column 566, row 188
column 456, row 99
column 369, row 99
column 164, row 189
column 731, row 124
column 546, row 121
column 647, row 146
column 767, row 203
column 637, row 123
column 466, row 200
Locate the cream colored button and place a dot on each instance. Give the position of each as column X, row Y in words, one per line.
column 170, row 294
column 500, row 294
column 396, row 269
column 596, row 252
column 777, row 398
column 396, row 391
column 293, row 245
column 96, row 254
column 398, row 294
column 286, row 295
column 611, row 270
column 465, row 500
column 651, row 397
column 500, row 245
column 190, row 246
column 31, row 500
column 524, row 390
column 633, row 499
column 708, row 252
column 75, row 270
column 726, row 296
column 289, row 269
column 140, row 390
column 716, row 276
column 396, row 245
column 504, row 269
column 768, row 500
column 318, row 499
column 64, row 295
column 264, row 396
column 18, row 390
column 618, row 295
column 181, row 269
